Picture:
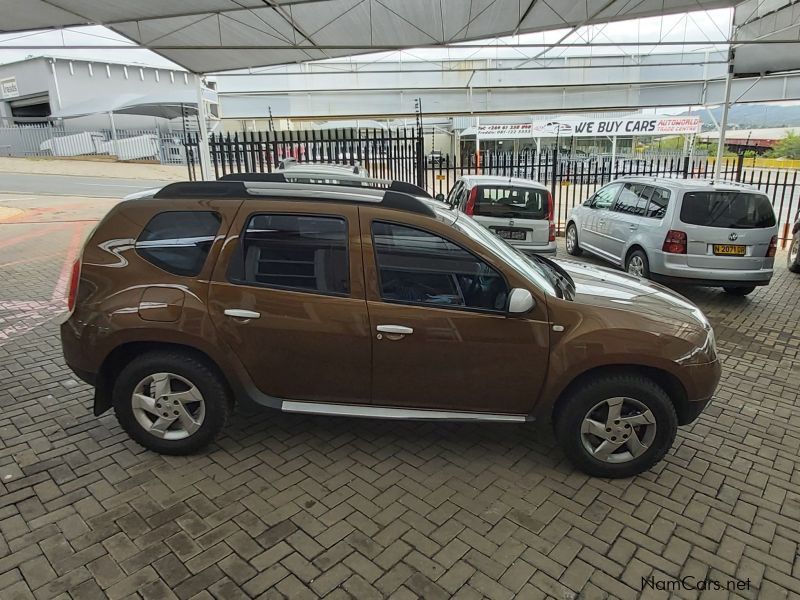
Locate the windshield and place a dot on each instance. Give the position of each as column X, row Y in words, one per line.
column 727, row 209
column 537, row 274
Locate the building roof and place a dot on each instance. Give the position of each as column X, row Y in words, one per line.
column 216, row 35
column 766, row 133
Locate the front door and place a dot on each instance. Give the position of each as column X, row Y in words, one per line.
column 441, row 336
column 287, row 296
column 595, row 233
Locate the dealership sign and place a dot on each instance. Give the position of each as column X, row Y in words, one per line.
column 627, row 126
column 8, row 88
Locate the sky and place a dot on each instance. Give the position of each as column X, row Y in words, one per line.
column 706, row 26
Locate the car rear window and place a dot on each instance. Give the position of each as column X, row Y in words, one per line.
column 728, row 209
column 178, row 241
column 511, row 202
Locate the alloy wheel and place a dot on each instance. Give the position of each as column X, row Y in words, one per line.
column 168, row 406
column 618, row 430
column 636, row 266
column 570, row 239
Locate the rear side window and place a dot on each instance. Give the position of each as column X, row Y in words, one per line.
column 295, row 252
column 659, row 201
column 179, row 241
column 632, row 200
column 728, row 209
column 510, row 202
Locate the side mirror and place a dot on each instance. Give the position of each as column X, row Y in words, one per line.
column 439, row 197
column 520, row 301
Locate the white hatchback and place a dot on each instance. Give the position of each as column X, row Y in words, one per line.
column 518, row 210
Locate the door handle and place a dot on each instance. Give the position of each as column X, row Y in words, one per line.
column 241, row 313
column 634, row 227
column 601, row 222
column 394, row 331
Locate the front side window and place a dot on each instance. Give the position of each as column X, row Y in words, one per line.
column 605, row 196
column 178, row 241
column 728, row 209
column 418, row 267
column 451, row 197
column 296, row 252
column 632, row 200
column 511, row 202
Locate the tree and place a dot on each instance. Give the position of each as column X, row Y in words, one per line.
column 788, row 147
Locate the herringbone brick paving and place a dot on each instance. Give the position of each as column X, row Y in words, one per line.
column 294, row 506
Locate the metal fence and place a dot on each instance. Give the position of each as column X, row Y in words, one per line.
column 167, row 147
column 399, row 154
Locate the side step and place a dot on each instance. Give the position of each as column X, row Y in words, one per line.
column 381, row 412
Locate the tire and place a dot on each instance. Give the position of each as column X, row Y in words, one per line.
column 572, row 242
column 793, row 258
column 739, row 290
column 637, row 396
column 188, row 424
column 637, row 264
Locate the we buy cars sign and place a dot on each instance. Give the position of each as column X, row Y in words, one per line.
column 571, row 127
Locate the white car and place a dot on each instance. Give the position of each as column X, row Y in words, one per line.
column 703, row 232
column 320, row 171
column 518, row 210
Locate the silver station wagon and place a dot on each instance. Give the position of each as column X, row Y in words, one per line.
column 702, row 232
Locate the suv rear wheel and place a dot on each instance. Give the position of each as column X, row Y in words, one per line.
column 637, row 264
column 572, row 240
column 616, row 426
column 170, row 403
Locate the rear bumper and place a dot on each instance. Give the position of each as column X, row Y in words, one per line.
column 673, row 267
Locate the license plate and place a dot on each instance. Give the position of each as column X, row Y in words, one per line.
column 510, row 234
column 729, row 250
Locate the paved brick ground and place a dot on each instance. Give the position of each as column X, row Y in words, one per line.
column 295, row 506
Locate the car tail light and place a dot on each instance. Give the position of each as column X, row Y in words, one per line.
column 473, row 195
column 550, row 216
column 675, row 242
column 73, row 284
column 773, row 246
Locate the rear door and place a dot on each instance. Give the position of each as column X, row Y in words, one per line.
column 287, row 296
column 625, row 217
column 727, row 229
column 515, row 213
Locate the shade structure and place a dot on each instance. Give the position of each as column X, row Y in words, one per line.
column 167, row 106
column 207, row 36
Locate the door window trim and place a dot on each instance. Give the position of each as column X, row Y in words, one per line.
column 488, row 311
column 238, row 257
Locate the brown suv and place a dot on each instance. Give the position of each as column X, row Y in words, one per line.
column 372, row 301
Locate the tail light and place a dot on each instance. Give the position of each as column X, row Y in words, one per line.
column 550, row 217
column 773, row 246
column 73, row 285
column 675, row 242
column 473, row 195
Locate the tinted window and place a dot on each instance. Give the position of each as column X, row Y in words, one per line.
column 294, row 252
column 453, row 193
column 632, row 200
column 422, row 268
column 605, row 196
column 511, row 202
column 735, row 210
column 657, row 206
column 178, row 241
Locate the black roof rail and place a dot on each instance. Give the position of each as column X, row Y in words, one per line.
column 287, row 177
column 392, row 198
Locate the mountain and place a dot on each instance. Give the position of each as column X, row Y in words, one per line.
column 752, row 116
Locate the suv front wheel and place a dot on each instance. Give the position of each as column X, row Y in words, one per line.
column 171, row 403
column 616, row 426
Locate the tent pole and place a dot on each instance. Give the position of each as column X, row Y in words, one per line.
column 205, row 154
column 113, row 133
column 723, row 125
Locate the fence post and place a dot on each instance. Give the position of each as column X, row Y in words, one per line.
column 421, row 158
column 739, row 166
column 685, row 171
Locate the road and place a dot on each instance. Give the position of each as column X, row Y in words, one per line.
column 68, row 185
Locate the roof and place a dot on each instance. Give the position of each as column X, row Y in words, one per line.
column 764, row 133
column 290, row 166
column 691, row 184
column 216, row 35
column 496, row 180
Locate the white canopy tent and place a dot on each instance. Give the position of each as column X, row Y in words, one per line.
column 207, row 36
